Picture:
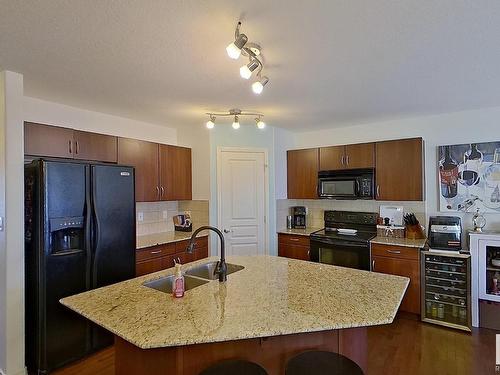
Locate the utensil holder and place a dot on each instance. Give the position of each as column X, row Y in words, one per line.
column 414, row 232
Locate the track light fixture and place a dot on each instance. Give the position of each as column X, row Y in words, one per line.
column 260, row 124
column 247, row 70
column 236, row 122
column 241, row 46
column 236, row 114
column 211, row 123
column 258, row 86
column 234, row 49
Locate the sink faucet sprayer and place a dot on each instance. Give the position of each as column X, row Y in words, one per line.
column 221, row 268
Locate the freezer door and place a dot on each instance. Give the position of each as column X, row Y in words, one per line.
column 114, row 242
column 55, row 193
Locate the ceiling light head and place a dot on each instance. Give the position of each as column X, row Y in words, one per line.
column 211, row 123
column 258, row 86
column 246, row 70
column 234, row 49
column 236, row 123
column 260, row 124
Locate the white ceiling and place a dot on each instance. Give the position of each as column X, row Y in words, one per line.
column 331, row 62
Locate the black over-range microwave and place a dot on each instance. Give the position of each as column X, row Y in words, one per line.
column 346, row 184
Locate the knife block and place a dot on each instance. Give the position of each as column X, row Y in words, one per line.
column 414, row 232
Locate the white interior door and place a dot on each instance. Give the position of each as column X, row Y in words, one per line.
column 242, row 201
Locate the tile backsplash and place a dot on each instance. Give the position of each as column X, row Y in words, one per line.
column 157, row 216
column 316, row 208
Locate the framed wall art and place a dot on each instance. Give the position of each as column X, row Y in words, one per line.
column 469, row 177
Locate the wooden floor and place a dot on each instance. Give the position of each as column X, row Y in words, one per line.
column 406, row 347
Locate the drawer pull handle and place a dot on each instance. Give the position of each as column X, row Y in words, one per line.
column 156, row 252
column 394, row 251
column 294, row 239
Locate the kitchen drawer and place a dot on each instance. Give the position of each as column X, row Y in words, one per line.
column 155, row 252
column 199, row 243
column 148, row 266
column 292, row 239
column 293, row 251
column 402, row 252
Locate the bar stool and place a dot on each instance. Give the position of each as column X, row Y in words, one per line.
column 321, row 363
column 232, row 367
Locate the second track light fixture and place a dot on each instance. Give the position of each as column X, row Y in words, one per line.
column 241, row 46
column 236, row 114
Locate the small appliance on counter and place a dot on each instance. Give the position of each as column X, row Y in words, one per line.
column 183, row 223
column 299, row 214
column 445, row 234
column 446, row 275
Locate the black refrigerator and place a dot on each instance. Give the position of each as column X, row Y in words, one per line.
column 80, row 235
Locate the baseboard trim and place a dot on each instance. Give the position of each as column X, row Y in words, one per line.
column 22, row 372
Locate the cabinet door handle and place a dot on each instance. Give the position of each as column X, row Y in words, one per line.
column 394, row 251
column 378, row 190
column 155, row 252
column 162, row 191
column 158, row 192
column 342, row 160
column 69, row 146
column 373, row 265
column 347, row 159
column 76, row 147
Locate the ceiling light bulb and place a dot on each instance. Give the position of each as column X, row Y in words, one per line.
column 234, row 49
column 260, row 124
column 258, row 86
column 236, row 123
column 211, row 122
column 246, row 70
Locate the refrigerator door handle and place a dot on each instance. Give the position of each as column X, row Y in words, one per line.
column 96, row 240
column 88, row 228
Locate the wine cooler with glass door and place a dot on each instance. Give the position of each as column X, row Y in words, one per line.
column 446, row 297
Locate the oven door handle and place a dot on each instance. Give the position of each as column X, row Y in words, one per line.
column 326, row 241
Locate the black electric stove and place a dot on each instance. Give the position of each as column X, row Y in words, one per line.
column 345, row 241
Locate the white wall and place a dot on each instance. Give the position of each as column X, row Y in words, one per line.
column 37, row 110
column 12, row 237
column 451, row 128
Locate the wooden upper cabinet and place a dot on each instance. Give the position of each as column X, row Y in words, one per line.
column 302, row 173
column 175, row 173
column 331, row 158
column 347, row 157
column 45, row 140
column 360, row 155
column 144, row 157
column 399, row 170
column 92, row 146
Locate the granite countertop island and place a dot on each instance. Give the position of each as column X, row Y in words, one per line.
column 271, row 296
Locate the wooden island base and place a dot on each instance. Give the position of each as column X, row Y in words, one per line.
column 272, row 353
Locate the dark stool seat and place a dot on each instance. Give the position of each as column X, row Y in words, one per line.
column 322, row 363
column 234, row 367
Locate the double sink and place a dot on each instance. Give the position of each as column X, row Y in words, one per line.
column 194, row 277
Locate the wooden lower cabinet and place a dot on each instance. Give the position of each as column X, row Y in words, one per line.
column 400, row 261
column 157, row 258
column 293, row 246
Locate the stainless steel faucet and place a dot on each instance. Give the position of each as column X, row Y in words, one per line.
column 221, row 268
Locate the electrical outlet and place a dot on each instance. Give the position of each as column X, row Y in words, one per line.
column 140, row 216
column 165, row 214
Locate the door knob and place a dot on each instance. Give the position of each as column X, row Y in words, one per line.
column 226, row 231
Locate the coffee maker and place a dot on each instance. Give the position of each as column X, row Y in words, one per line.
column 298, row 217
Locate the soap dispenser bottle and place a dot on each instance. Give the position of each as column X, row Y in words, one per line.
column 178, row 284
